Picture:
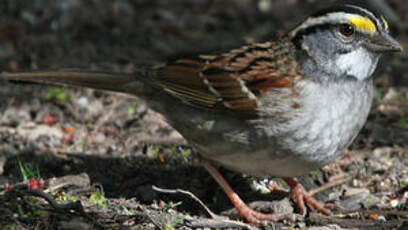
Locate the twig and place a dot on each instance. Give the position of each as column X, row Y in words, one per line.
column 330, row 184
column 22, row 190
column 217, row 221
column 217, row 224
column 81, row 180
column 163, row 141
column 378, row 212
column 174, row 191
column 359, row 224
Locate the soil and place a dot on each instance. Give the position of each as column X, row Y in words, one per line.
column 73, row 158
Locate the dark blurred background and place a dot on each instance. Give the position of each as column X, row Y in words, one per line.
column 49, row 33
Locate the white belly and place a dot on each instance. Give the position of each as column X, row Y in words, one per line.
column 328, row 121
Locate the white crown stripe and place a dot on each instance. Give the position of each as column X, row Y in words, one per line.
column 363, row 19
column 331, row 18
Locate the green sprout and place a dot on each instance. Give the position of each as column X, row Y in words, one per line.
column 28, row 173
column 98, row 199
column 57, row 94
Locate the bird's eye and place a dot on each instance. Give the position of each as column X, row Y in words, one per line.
column 346, row 30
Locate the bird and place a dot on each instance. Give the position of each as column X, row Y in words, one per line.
column 279, row 108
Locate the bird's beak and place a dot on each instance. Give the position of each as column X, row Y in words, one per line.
column 383, row 43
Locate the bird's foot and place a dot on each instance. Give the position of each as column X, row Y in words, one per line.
column 250, row 215
column 261, row 219
column 300, row 196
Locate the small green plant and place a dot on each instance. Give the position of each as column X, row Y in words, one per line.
column 127, row 211
column 174, row 222
column 31, row 208
column 368, row 203
column 171, row 151
column 11, row 227
column 404, row 182
column 403, row 123
column 185, row 152
column 57, row 94
column 379, row 94
column 172, row 205
column 98, row 199
column 371, row 186
column 28, row 173
column 313, row 173
column 39, row 213
column 176, row 152
column 152, row 151
column 62, row 196
column 131, row 109
column 20, row 210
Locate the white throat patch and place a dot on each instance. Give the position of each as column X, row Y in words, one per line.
column 358, row 63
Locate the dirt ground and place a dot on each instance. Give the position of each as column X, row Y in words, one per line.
column 83, row 159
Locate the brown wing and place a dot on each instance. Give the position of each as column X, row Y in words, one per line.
column 234, row 80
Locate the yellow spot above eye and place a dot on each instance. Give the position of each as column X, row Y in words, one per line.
column 362, row 23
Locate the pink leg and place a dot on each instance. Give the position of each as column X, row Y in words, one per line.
column 246, row 212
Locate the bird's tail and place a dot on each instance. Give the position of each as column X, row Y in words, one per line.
column 133, row 83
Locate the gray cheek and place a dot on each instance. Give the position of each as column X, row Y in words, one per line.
column 325, row 55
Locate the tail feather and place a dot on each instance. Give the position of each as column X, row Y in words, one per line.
column 119, row 82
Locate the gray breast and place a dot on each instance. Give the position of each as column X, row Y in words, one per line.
column 291, row 142
column 330, row 117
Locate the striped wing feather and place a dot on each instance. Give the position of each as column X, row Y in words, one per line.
column 234, row 80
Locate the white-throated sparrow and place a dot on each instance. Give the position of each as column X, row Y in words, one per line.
column 280, row 108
